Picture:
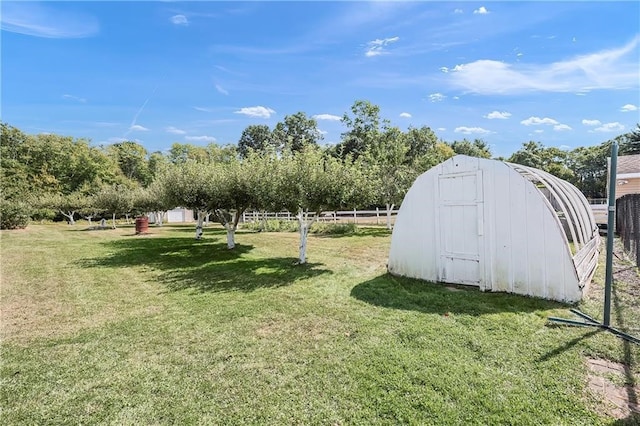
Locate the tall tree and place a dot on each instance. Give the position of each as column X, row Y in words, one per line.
column 296, row 132
column 390, row 175
column 256, row 137
column 131, row 157
column 550, row 159
column 362, row 129
column 477, row 148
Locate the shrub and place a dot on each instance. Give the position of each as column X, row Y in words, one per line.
column 334, row 228
column 273, row 225
column 13, row 214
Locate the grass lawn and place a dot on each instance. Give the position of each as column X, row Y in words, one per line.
column 109, row 327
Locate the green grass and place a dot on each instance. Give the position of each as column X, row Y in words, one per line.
column 109, row 327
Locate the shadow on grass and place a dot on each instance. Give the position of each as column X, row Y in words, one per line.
column 204, row 265
column 410, row 294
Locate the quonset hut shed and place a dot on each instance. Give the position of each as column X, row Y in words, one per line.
column 499, row 226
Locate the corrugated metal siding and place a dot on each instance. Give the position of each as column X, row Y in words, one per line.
column 520, row 245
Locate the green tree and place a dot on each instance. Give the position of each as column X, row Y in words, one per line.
column 256, row 137
column 296, row 132
column 114, row 199
column 310, row 182
column 362, row 129
column 190, row 185
column 131, row 158
column 550, row 159
column 477, row 148
column 66, row 204
column 386, row 162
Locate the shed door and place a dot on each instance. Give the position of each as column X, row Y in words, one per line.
column 461, row 227
column 175, row 216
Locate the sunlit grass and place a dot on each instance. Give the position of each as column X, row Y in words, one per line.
column 109, row 327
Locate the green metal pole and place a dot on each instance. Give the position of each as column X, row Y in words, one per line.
column 610, row 233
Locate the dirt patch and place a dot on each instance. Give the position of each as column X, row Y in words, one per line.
column 609, row 382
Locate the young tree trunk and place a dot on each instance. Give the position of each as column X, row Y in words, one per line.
column 158, row 218
column 199, row 230
column 389, row 210
column 89, row 219
column 126, row 216
column 114, row 221
column 231, row 235
column 304, row 225
column 69, row 216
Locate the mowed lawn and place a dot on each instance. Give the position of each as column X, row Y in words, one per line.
column 102, row 326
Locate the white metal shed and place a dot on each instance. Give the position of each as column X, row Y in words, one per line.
column 499, row 226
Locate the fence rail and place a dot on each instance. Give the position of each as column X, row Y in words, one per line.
column 361, row 217
column 628, row 224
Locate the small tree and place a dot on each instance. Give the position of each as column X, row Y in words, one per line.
column 116, row 199
column 190, row 185
column 67, row 205
column 13, row 214
column 311, row 182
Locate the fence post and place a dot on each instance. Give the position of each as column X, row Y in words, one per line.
column 377, row 216
column 355, row 218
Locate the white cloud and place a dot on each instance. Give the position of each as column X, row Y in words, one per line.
column 322, row 132
column 538, row 131
column 221, row 89
column 458, row 11
column 200, row 138
column 256, row 111
column 202, row 109
column 470, row 130
column 405, row 115
column 610, row 127
column 45, row 20
column 444, row 69
column 561, row 127
column 377, row 47
column 74, row 98
column 591, row 122
column 329, row 117
column 537, row 120
column 481, row 11
column 436, row 97
column 179, row 20
column 498, row 115
column 138, row 128
column 441, row 129
column 175, row 130
column 629, row 107
column 608, row 69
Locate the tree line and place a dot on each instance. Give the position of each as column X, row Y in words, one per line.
column 46, row 176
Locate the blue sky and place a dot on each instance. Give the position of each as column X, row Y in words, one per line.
column 566, row 74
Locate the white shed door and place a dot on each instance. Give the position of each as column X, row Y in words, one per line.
column 461, row 227
column 175, row 216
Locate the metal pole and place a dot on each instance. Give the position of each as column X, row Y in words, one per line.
column 610, row 233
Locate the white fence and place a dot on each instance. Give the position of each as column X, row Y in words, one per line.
column 362, row 217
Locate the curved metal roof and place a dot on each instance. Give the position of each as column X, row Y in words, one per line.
column 573, row 212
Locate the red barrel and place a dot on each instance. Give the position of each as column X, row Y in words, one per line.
column 142, row 225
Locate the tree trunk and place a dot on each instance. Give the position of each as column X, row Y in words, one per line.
column 199, row 231
column 89, row 219
column 159, row 218
column 304, row 225
column 114, row 221
column 126, row 216
column 231, row 236
column 69, row 216
column 389, row 210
